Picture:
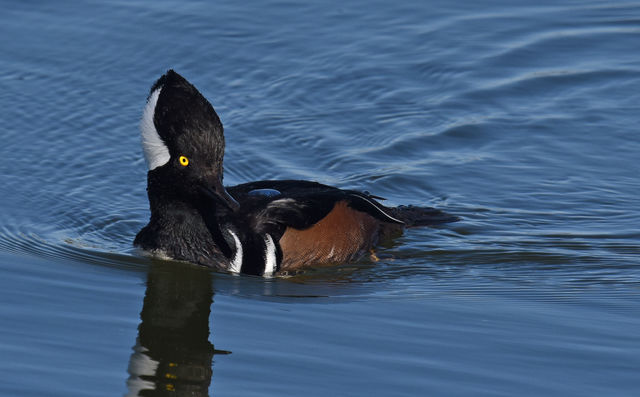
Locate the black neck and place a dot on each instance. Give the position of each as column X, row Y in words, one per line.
column 187, row 228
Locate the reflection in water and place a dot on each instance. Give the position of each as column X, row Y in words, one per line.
column 173, row 355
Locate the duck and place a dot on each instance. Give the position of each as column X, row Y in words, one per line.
column 262, row 228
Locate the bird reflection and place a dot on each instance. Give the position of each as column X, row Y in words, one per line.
column 172, row 355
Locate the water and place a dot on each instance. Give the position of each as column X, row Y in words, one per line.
column 521, row 119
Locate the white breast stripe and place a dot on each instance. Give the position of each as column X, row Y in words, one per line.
column 379, row 209
column 271, row 261
column 155, row 151
column 236, row 263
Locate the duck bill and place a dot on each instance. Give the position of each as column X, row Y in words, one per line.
column 219, row 194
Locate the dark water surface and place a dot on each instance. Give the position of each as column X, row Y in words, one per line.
column 521, row 119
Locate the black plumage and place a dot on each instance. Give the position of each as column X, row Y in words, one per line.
column 256, row 227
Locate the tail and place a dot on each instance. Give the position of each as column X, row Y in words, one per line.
column 413, row 216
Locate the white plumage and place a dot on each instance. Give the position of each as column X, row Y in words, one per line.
column 236, row 263
column 155, row 150
column 270, row 261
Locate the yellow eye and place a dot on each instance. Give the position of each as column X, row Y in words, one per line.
column 183, row 161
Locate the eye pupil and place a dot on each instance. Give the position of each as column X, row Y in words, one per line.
column 183, row 161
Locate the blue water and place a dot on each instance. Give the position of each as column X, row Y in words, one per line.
column 521, row 119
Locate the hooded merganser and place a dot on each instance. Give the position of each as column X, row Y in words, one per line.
column 258, row 228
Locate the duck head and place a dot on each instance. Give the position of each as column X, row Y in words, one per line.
column 183, row 143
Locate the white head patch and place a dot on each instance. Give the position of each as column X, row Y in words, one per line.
column 155, row 151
